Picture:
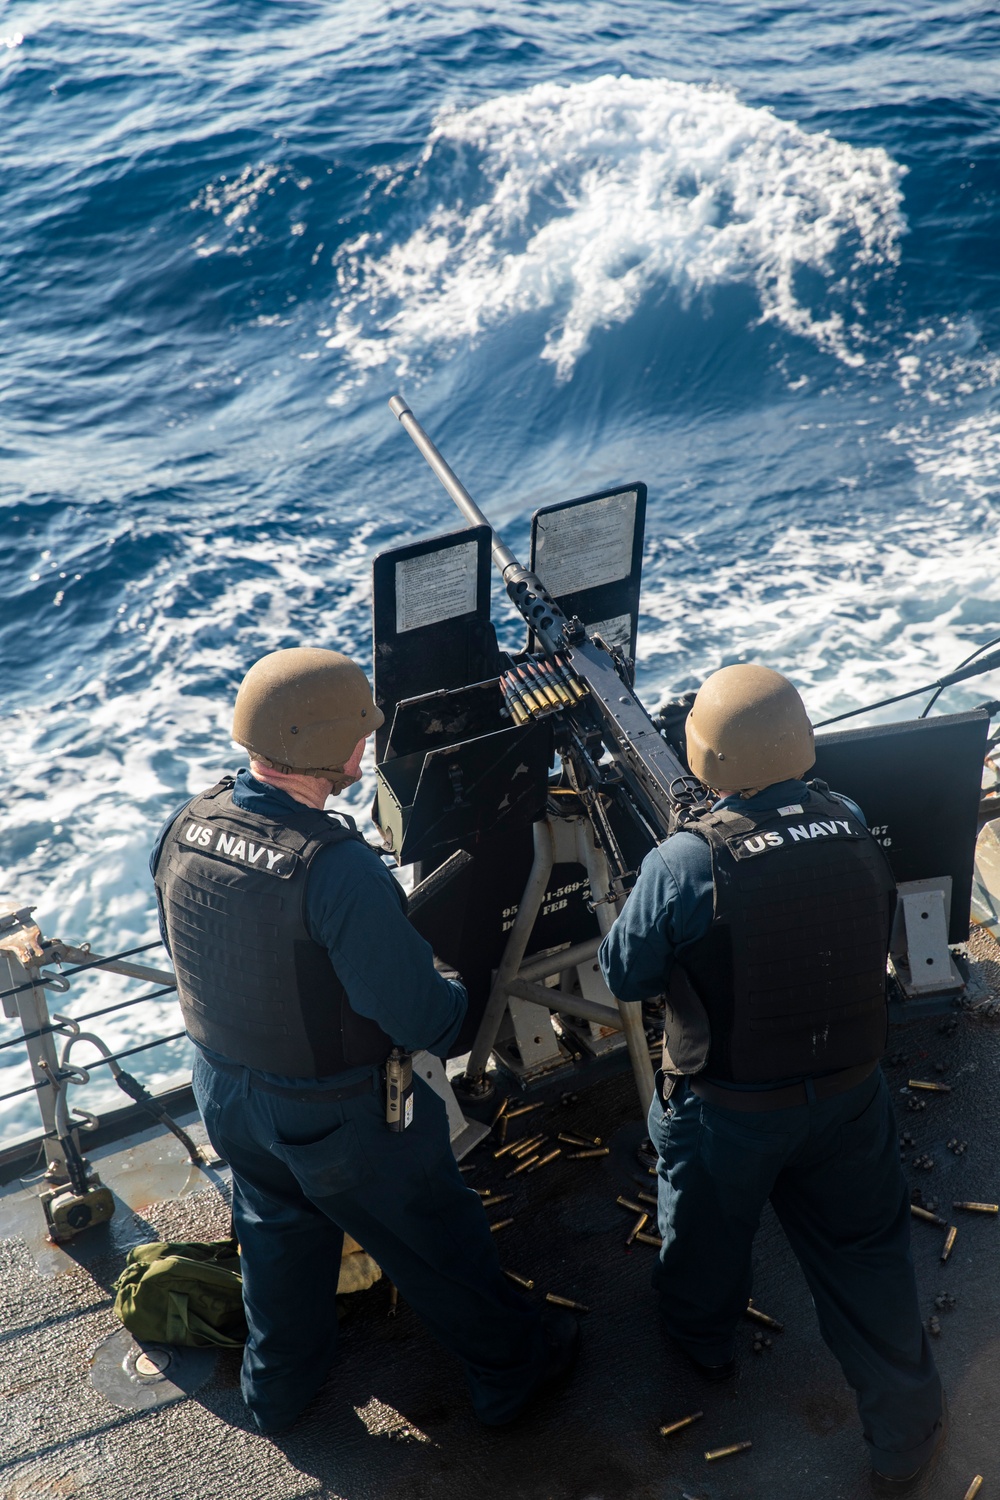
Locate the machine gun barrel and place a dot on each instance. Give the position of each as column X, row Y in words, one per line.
column 657, row 780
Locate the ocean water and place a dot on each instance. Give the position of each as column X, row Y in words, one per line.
column 746, row 252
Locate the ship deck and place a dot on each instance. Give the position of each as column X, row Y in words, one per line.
column 393, row 1419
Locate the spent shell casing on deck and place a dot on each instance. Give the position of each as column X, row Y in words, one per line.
column 579, row 1140
column 648, row 1198
column 670, row 1427
column 949, row 1243
column 715, row 1453
column 502, row 1132
column 649, row 1239
column 500, row 1224
column 496, row 1198
column 468, row 1166
column 637, row 1227
column 565, row 1302
column 393, row 1300
column 755, row 1314
column 519, row 1280
column 505, row 1149
column 931, row 1088
column 583, row 1155
column 927, row 1216
column 546, row 1159
column 974, row 1488
column 504, row 1106
column 979, row 1208
column 627, row 1203
column 529, row 1161
column 526, row 1147
column 523, row 1109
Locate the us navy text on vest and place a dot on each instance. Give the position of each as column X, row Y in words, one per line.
column 240, row 851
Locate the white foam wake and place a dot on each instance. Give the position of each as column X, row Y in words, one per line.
column 574, row 201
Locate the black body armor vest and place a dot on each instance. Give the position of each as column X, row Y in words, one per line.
column 252, row 983
column 792, row 972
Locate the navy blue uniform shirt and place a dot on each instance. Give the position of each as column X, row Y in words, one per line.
column 356, row 910
column 671, row 903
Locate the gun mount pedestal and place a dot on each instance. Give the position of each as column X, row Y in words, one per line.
column 517, row 1023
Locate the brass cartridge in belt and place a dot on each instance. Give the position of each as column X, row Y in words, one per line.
column 525, row 1281
column 931, row 1088
column 561, row 691
column 755, row 1314
column 512, row 696
column 979, row 1208
column 583, row 1155
column 500, row 1224
column 565, row 1302
column 637, row 1227
column 695, row 1416
column 576, row 687
column 540, row 682
column 927, row 1216
column 949, row 1243
column 532, row 697
column 715, row 1453
column 529, row 1161
column 546, row 1159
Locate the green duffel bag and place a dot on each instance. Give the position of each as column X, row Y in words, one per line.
column 176, row 1293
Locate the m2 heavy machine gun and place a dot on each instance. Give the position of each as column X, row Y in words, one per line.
column 525, row 787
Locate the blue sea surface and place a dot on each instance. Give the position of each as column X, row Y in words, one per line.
column 745, row 252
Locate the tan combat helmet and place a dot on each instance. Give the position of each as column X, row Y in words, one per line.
column 747, row 729
column 304, row 710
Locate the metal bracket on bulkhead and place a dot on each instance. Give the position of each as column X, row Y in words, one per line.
column 921, row 959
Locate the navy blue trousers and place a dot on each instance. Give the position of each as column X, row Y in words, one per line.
column 831, row 1170
column 303, row 1173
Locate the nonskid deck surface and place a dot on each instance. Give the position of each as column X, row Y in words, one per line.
column 394, row 1420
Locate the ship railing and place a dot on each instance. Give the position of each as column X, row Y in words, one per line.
column 31, row 966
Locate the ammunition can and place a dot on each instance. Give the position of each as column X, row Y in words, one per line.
column 565, row 1302
column 500, row 1224
column 682, row 1422
column 756, row 1316
column 518, row 1280
column 529, row 1161
column 637, row 1227
column 546, row 1159
column 949, row 1243
column 584, row 1155
column 974, row 1488
column 979, row 1208
column 715, row 1453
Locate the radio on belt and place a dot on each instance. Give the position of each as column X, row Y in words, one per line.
column 398, row 1089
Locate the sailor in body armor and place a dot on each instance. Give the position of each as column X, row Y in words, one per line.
column 766, row 920
column 303, row 985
